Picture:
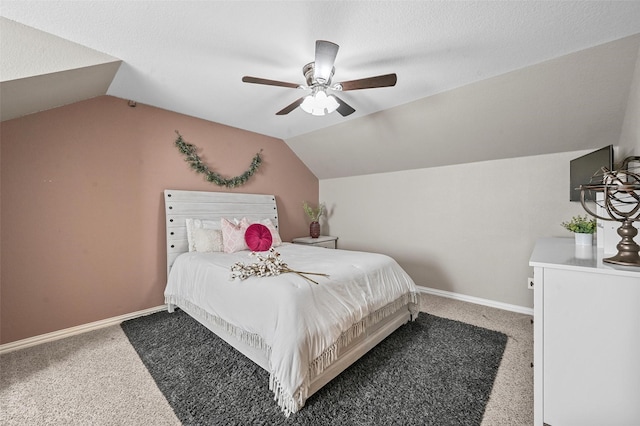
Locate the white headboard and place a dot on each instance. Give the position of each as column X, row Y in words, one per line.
column 181, row 205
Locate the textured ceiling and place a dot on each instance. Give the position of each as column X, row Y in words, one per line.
column 575, row 102
column 190, row 56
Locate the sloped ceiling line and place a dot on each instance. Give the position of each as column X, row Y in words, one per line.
column 40, row 71
column 465, row 71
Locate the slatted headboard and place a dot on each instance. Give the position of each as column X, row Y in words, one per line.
column 180, row 205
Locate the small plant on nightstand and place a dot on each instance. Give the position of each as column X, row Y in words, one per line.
column 314, row 215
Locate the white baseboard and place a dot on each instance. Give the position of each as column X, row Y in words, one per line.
column 476, row 300
column 68, row 332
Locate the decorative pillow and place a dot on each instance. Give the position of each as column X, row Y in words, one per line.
column 258, row 237
column 233, row 235
column 193, row 224
column 208, row 240
column 275, row 236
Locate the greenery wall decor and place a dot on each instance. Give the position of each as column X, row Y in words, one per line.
column 192, row 157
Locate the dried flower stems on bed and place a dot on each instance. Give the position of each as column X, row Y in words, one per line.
column 267, row 266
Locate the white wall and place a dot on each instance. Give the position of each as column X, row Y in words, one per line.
column 571, row 103
column 630, row 134
column 467, row 229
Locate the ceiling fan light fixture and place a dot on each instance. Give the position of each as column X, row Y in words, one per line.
column 318, row 75
column 318, row 103
column 332, row 104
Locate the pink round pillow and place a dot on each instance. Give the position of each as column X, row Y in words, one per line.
column 258, row 237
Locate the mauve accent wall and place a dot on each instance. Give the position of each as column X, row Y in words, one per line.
column 82, row 211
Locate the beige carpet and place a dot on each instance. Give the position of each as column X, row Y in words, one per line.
column 97, row 378
column 94, row 378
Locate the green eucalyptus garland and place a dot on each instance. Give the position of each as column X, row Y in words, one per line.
column 192, row 157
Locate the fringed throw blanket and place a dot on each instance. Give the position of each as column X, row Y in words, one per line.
column 299, row 326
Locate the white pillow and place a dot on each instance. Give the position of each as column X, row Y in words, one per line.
column 193, row 224
column 207, row 240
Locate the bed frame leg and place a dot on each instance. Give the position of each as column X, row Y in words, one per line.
column 171, row 307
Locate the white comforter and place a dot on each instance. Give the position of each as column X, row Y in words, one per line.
column 299, row 325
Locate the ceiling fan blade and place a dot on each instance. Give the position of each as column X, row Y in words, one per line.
column 256, row 80
column 386, row 80
column 290, row 107
column 325, row 57
column 344, row 109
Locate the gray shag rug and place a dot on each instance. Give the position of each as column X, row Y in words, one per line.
column 433, row 371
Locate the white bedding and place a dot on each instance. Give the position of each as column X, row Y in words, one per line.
column 299, row 325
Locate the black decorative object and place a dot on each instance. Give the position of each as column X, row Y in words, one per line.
column 621, row 201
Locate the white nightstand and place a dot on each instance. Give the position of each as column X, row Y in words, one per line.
column 322, row 241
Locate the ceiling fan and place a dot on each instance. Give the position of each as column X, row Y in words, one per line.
column 318, row 76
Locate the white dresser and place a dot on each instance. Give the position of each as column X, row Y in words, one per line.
column 586, row 337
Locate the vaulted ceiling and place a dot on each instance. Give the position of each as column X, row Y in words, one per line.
column 477, row 80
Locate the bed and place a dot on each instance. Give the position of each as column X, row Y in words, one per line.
column 303, row 333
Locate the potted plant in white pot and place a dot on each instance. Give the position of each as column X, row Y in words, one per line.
column 583, row 229
column 314, row 215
